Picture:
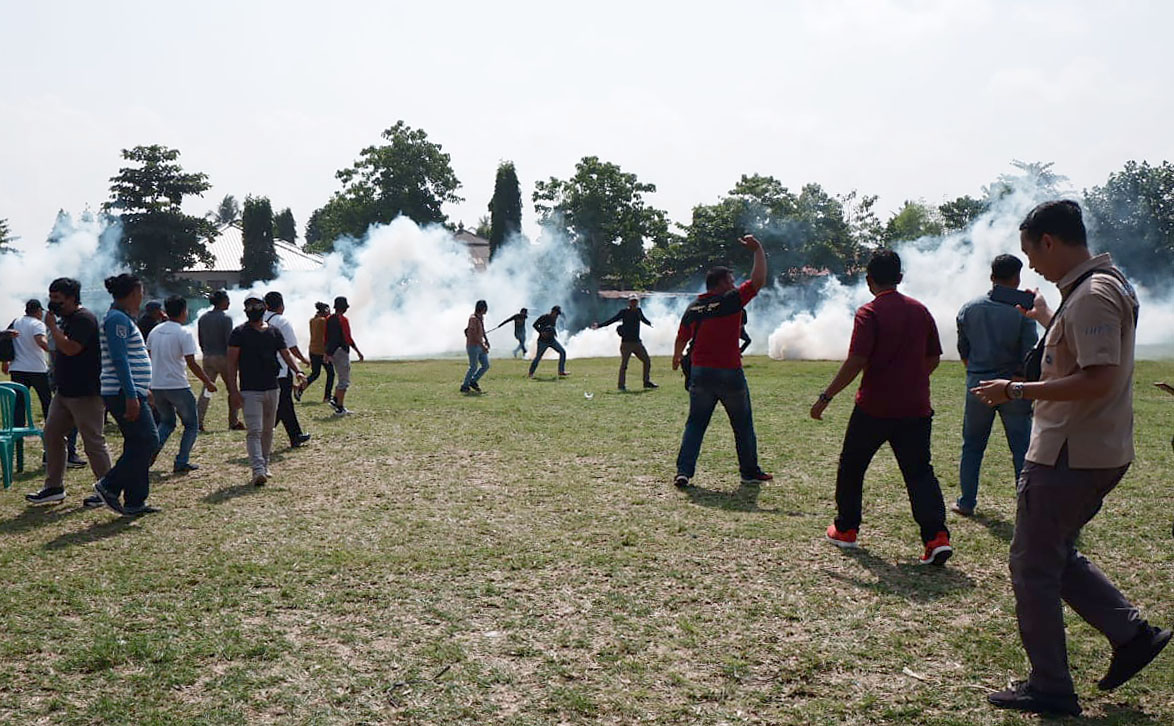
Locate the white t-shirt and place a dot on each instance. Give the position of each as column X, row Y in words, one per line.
column 291, row 339
column 30, row 357
column 168, row 344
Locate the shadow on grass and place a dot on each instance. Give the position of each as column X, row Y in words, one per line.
column 742, row 499
column 33, row 517
column 230, row 492
column 919, row 583
column 1000, row 528
column 95, row 532
column 1114, row 716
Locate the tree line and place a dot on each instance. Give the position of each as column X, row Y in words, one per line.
column 604, row 212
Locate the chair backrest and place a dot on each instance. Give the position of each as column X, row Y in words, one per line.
column 7, row 407
column 23, row 390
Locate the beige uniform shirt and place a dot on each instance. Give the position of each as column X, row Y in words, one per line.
column 1095, row 328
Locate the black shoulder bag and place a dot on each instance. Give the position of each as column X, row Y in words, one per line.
column 8, row 346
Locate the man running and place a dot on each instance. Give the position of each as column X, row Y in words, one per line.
column 712, row 322
column 630, row 344
column 519, row 321
column 317, row 349
column 477, row 346
column 173, row 353
column 545, row 325
column 338, row 348
column 286, row 413
column 214, row 327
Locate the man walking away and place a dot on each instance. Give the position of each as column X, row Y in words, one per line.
column 317, row 348
column 519, row 321
column 30, row 367
column 286, row 413
column 545, row 325
column 338, row 348
column 895, row 342
column 630, row 319
column 173, row 349
column 993, row 340
column 77, row 364
column 152, row 315
column 125, row 380
column 712, row 322
column 477, row 346
column 1081, row 446
column 253, row 350
column 213, row 328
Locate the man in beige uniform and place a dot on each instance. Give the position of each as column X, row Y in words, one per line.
column 1081, row 447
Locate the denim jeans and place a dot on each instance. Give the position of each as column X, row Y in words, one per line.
column 976, row 430
column 140, row 439
column 521, row 345
column 707, row 387
column 181, row 402
column 478, row 356
column 552, row 344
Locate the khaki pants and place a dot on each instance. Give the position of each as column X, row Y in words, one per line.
column 260, row 418
column 627, row 350
column 88, row 414
column 216, row 365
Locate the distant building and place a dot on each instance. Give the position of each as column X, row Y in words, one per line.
column 478, row 247
column 227, row 248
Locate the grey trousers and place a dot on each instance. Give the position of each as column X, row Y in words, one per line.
column 260, row 409
column 1055, row 502
column 87, row 413
column 342, row 368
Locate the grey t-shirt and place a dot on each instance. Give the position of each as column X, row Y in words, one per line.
column 214, row 328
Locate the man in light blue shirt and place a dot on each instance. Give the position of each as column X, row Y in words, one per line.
column 993, row 339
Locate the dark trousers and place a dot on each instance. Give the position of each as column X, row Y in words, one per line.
column 317, row 363
column 140, row 439
column 1054, row 503
column 707, row 387
column 909, row 439
column 285, row 409
column 629, row 349
column 37, row 382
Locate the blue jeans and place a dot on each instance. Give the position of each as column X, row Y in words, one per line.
column 181, row 402
column 707, row 387
column 552, row 344
column 477, row 356
column 140, row 439
column 976, row 430
column 521, row 345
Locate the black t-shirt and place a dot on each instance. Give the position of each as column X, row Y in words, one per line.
column 77, row 375
column 545, row 327
column 258, row 360
column 335, row 336
column 630, row 320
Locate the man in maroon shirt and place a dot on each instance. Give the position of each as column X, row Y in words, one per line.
column 895, row 342
column 714, row 322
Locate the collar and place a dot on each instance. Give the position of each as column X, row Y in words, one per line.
column 1095, row 262
column 882, row 293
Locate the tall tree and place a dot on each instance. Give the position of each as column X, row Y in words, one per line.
column 1035, row 175
column 158, row 239
column 6, row 237
column 228, row 212
column 1132, row 216
column 409, row 175
column 958, row 214
column 914, row 220
column 284, row 227
column 601, row 210
column 259, row 260
column 505, row 209
column 483, row 229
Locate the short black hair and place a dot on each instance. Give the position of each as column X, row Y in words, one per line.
column 220, row 296
column 1005, row 267
column 884, row 267
column 524, row 310
column 68, row 287
column 481, row 306
column 175, row 305
column 321, row 307
column 1060, row 218
column 716, row 276
column 32, row 306
column 340, row 303
column 252, row 302
column 274, row 300
column 119, row 286
column 556, row 309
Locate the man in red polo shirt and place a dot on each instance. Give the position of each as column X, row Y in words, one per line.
column 895, row 342
column 714, row 322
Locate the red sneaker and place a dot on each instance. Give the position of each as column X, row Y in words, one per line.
column 845, row 540
column 761, row 476
column 937, row 550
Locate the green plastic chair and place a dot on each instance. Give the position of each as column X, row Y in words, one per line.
column 19, row 434
column 7, row 443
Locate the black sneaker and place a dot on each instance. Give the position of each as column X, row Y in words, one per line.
column 141, row 509
column 650, row 384
column 107, row 498
column 1129, row 659
column 680, row 481
column 475, row 386
column 76, row 462
column 1020, row 696
column 46, row 496
column 464, row 389
column 300, row 441
column 184, row 468
column 93, row 501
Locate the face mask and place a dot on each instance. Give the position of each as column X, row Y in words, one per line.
column 55, row 307
column 254, row 315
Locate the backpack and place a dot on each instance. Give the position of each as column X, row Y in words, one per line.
column 8, row 346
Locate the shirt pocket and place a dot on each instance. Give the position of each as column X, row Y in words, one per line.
column 1056, row 358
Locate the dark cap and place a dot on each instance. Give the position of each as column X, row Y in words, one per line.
column 340, row 303
column 153, row 306
column 32, row 306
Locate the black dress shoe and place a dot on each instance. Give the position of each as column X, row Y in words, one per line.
column 1022, row 697
column 1129, row 659
column 299, row 441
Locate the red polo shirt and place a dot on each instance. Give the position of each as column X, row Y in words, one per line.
column 717, row 338
column 897, row 335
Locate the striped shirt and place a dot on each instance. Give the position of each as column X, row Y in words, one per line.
column 125, row 362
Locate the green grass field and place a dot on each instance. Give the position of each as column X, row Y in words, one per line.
column 521, row 558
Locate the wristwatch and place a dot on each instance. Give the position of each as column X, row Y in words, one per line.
column 1015, row 391
column 823, row 396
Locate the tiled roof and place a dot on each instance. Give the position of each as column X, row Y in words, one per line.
column 228, row 247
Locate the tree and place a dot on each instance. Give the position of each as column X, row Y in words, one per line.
column 229, row 211
column 505, row 209
column 1132, row 216
column 601, row 210
column 1035, row 175
column 409, row 176
column 961, row 212
column 284, row 227
column 484, row 229
column 913, row 220
column 158, row 239
column 6, row 237
column 259, row 260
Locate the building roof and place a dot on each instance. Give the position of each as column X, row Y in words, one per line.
column 478, row 248
column 228, row 247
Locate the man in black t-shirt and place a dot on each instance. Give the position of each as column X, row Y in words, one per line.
column 547, row 339
column 630, row 344
column 519, row 321
column 77, row 363
column 252, row 353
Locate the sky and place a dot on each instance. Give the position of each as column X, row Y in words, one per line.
column 906, row 100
